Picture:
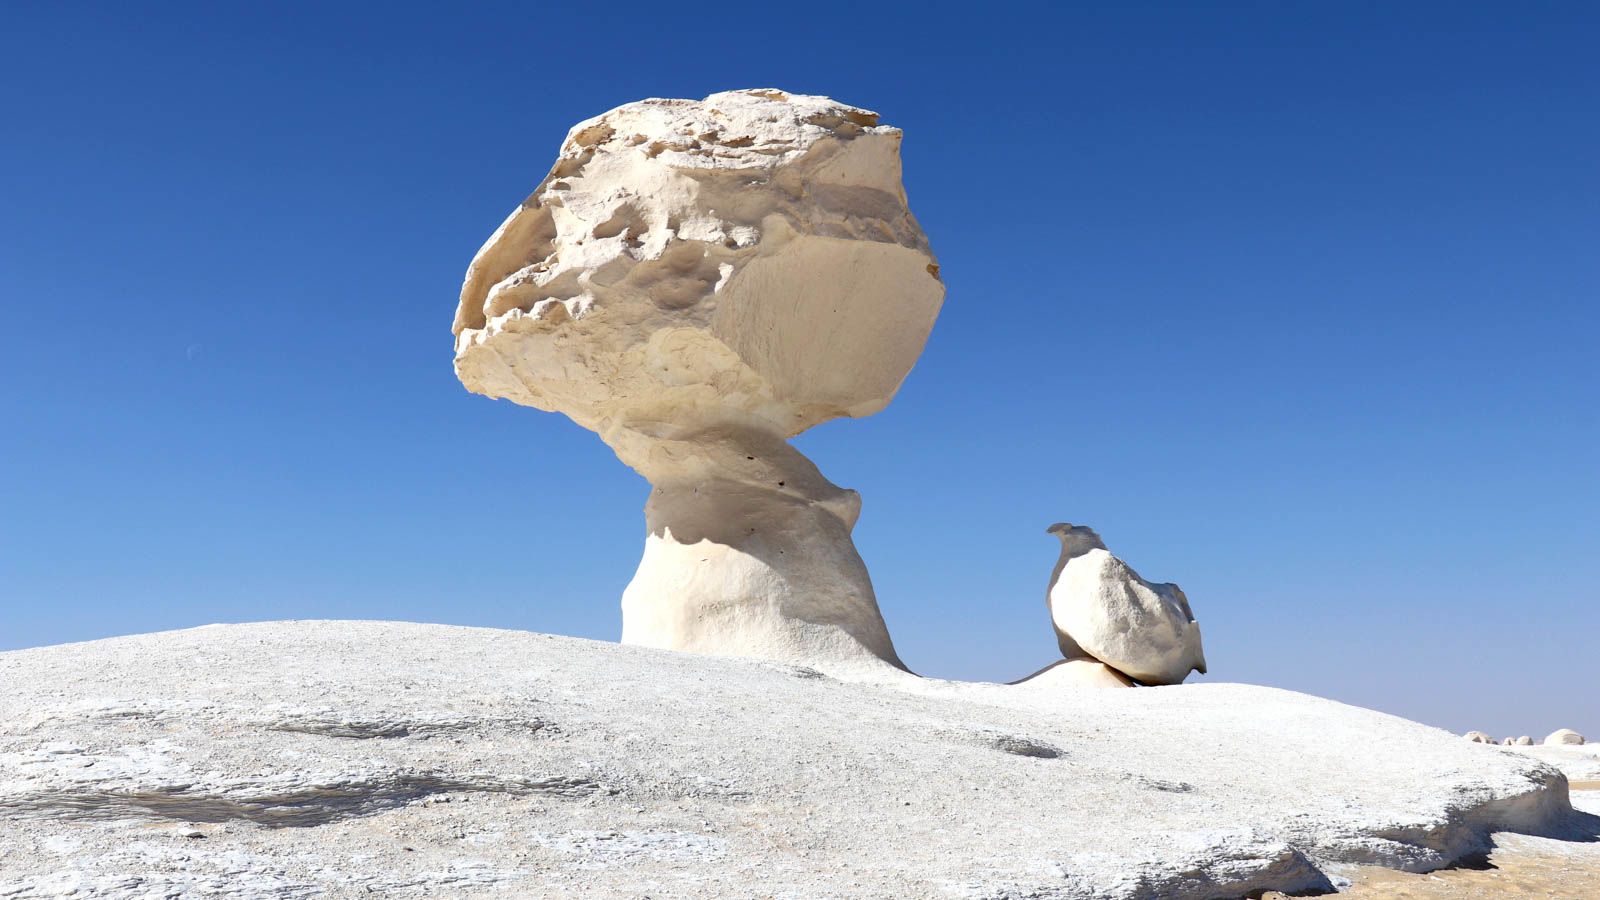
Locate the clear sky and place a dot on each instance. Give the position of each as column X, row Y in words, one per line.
column 1298, row 304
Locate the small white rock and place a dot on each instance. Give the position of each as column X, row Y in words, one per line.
column 1103, row 610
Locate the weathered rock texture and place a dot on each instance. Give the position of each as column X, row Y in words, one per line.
column 1071, row 674
column 357, row 759
column 1564, row 736
column 696, row 282
column 1104, row 611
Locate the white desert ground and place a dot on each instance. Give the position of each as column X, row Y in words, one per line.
column 306, row 759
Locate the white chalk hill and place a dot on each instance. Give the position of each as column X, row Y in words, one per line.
column 300, row 759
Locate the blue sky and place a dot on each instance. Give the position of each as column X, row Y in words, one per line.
column 1298, row 304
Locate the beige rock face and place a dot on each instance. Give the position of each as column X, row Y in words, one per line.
column 1103, row 610
column 1478, row 737
column 696, row 282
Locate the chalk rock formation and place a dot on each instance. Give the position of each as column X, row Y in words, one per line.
column 1579, row 762
column 1564, row 736
column 1524, row 741
column 696, row 282
column 523, row 765
column 1103, row 610
column 1071, row 674
column 1478, row 737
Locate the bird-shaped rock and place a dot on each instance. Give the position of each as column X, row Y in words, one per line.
column 1103, row 610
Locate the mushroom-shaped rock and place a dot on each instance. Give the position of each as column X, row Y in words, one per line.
column 1478, row 737
column 1104, row 611
column 697, row 281
column 1524, row 741
column 1564, row 736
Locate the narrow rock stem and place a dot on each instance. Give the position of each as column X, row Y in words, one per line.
column 748, row 552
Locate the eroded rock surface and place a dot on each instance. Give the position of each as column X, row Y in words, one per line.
column 311, row 759
column 1102, row 610
column 697, row 281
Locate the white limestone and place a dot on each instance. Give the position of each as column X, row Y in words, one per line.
column 1103, row 610
column 354, row 759
column 696, row 282
column 1478, row 737
column 1070, row 674
column 1579, row 762
column 1564, row 736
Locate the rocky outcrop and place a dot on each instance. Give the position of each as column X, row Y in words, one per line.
column 1102, row 610
column 1564, row 736
column 697, row 281
column 311, row 759
column 1478, row 737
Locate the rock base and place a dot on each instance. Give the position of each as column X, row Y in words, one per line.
column 302, row 758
